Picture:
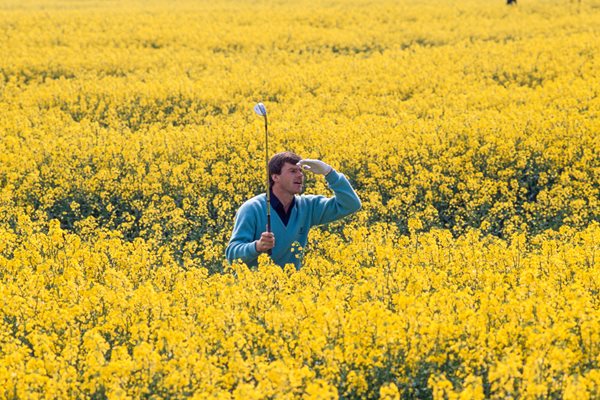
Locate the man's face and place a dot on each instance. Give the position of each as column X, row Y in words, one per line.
column 290, row 180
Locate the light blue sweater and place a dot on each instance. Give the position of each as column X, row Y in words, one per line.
column 309, row 210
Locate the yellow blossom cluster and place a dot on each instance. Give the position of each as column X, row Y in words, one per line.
column 421, row 316
column 468, row 129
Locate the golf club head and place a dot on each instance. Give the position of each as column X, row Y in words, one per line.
column 260, row 109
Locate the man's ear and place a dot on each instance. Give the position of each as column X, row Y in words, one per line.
column 275, row 177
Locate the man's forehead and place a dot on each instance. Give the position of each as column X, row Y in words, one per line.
column 288, row 166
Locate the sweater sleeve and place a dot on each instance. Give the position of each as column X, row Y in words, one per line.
column 241, row 245
column 344, row 202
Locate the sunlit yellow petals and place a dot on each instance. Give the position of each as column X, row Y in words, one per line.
column 468, row 129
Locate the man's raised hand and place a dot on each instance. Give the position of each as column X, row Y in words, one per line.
column 316, row 166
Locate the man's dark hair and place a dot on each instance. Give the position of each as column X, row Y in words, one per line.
column 278, row 160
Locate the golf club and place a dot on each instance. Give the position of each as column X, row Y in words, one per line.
column 262, row 111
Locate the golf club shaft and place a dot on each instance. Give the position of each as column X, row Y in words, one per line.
column 268, row 185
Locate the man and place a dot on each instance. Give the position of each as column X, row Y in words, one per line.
column 294, row 214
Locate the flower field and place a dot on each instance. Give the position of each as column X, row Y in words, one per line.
column 470, row 131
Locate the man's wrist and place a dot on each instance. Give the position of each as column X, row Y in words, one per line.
column 330, row 174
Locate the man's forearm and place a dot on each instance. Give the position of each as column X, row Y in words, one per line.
column 345, row 195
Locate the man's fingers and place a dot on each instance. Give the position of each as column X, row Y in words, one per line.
column 316, row 166
column 304, row 164
column 266, row 241
column 267, row 238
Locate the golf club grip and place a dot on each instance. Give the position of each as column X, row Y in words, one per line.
column 269, row 252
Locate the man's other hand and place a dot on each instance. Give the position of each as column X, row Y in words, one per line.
column 266, row 242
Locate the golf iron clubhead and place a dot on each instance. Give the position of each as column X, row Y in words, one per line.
column 262, row 111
